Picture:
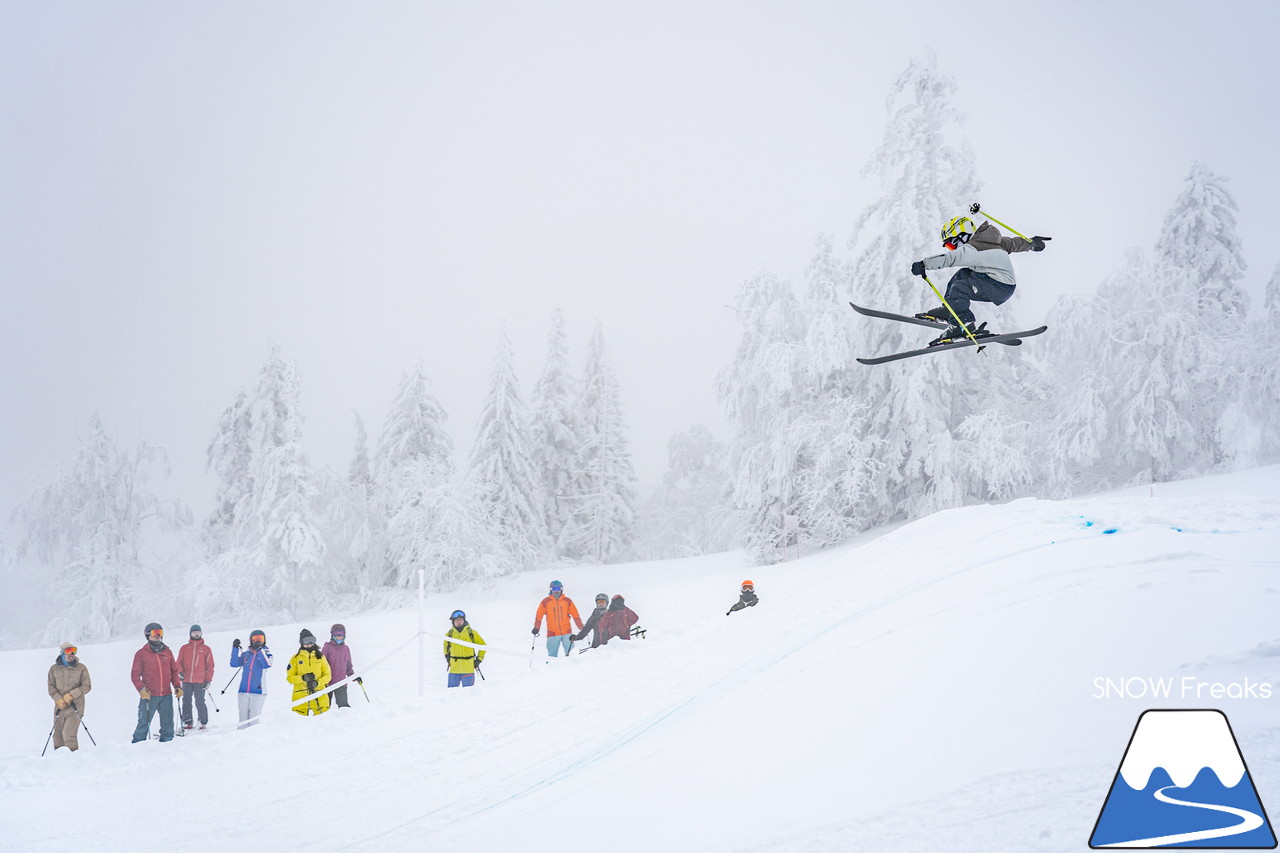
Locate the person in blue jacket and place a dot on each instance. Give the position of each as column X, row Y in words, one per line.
column 253, row 666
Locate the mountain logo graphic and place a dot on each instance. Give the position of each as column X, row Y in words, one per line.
column 1183, row 783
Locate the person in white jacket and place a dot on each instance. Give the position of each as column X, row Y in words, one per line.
column 985, row 274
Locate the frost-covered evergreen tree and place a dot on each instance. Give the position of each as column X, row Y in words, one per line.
column 440, row 524
column 292, row 546
column 1201, row 247
column 86, row 527
column 414, row 430
column 603, row 491
column 757, row 390
column 557, row 431
column 1249, row 429
column 1199, row 237
column 501, row 463
column 230, row 457
column 916, row 410
column 686, row 515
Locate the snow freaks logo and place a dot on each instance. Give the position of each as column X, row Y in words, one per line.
column 1183, row 783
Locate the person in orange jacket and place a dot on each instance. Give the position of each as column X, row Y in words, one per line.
column 559, row 609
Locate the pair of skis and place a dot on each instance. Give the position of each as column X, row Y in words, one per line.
column 1010, row 339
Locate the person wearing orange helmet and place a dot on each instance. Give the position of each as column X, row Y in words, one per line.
column 746, row 599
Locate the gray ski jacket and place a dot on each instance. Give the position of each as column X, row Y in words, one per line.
column 986, row 252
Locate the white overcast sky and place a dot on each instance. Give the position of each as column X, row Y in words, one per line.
column 373, row 184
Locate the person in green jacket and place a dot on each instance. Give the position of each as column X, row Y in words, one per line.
column 462, row 660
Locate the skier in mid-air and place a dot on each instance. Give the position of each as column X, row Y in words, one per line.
column 985, row 274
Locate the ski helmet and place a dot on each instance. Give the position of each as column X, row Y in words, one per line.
column 749, row 585
column 305, row 637
column 957, row 230
column 64, row 646
column 337, row 630
column 602, row 596
column 556, row 586
column 457, row 614
column 257, row 635
column 152, row 626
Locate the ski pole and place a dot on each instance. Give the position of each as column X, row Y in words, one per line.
column 360, row 681
column 215, row 704
column 481, row 674
column 233, row 678
column 177, row 718
column 50, row 737
column 532, row 644
column 975, row 207
column 89, row 733
column 967, row 332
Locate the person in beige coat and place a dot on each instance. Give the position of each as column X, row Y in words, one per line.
column 68, row 682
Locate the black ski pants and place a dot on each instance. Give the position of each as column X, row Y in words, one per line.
column 968, row 286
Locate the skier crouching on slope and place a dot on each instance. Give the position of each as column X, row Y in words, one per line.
column 746, row 599
column 617, row 620
column 593, row 622
column 985, row 274
column 462, row 660
column 308, row 672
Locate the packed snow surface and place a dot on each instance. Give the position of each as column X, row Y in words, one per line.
column 940, row 685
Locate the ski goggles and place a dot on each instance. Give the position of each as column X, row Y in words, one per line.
column 195, row 635
column 157, row 634
column 338, row 636
column 605, row 600
column 258, row 638
column 69, row 650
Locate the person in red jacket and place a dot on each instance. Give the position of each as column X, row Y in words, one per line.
column 195, row 665
column 617, row 620
column 154, row 672
column 559, row 609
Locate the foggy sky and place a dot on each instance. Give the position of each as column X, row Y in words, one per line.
column 371, row 185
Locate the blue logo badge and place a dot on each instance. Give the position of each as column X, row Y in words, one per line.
column 1183, row 783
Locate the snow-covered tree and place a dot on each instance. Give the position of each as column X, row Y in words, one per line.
column 1199, row 237
column 414, row 430
column 603, row 490
column 686, row 516
column 292, row 544
column 915, row 411
column 440, row 524
column 757, row 392
column 230, row 457
column 86, row 528
column 501, row 463
column 556, row 429
column 1249, row 428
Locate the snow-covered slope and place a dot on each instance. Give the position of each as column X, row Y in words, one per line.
column 928, row 687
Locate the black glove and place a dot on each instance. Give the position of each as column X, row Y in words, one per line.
column 310, row 680
column 359, row 680
column 917, row 268
column 535, row 632
column 1037, row 243
column 236, row 644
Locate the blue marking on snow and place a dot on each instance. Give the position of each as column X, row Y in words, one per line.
column 1112, row 530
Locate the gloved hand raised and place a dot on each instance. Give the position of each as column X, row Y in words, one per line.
column 917, row 268
column 236, row 644
column 1037, row 243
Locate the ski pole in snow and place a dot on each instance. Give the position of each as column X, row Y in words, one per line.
column 233, row 678
column 177, row 718
column 46, row 740
column 532, row 644
column 360, row 681
column 86, row 731
column 215, row 704
column 481, row 674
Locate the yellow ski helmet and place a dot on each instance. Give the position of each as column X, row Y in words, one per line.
column 958, row 230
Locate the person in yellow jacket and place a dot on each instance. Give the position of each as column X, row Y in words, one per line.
column 462, row 660
column 309, row 672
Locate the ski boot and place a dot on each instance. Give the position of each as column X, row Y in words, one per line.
column 935, row 315
column 956, row 333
